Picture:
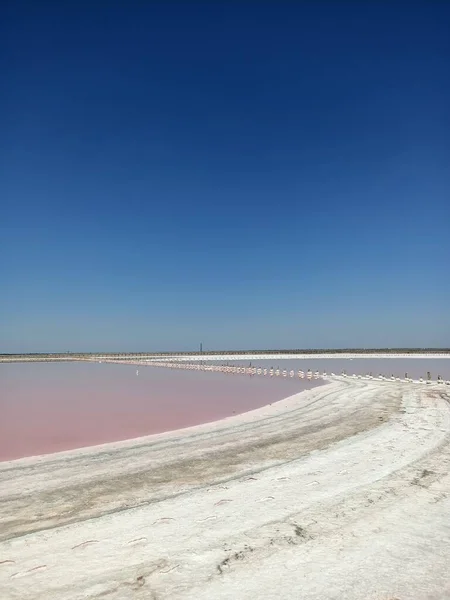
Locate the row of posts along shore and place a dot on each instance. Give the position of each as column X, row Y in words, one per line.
column 251, row 370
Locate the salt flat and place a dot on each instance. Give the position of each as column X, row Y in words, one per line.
column 342, row 491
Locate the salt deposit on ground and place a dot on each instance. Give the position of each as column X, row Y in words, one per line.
column 342, row 491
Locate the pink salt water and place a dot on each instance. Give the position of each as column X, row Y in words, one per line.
column 50, row 407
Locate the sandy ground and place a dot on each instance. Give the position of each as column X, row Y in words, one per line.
column 342, row 491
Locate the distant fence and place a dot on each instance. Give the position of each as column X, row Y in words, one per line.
column 271, row 372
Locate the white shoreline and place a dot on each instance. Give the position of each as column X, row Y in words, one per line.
column 300, row 356
column 224, row 356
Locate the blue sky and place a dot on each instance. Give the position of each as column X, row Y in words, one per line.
column 239, row 174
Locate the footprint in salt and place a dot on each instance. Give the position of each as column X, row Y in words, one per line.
column 39, row 568
column 224, row 501
column 137, row 541
column 29, row 572
column 312, row 483
column 212, row 517
column 84, row 544
column 163, row 520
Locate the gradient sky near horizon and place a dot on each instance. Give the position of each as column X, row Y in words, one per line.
column 246, row 175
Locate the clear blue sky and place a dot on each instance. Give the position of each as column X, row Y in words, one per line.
column 241, row 174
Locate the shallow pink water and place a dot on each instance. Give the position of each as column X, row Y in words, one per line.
column 53, row 407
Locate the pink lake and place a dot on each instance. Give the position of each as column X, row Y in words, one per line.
column 50, row 407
